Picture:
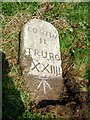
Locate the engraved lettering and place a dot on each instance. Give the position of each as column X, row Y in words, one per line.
column 51, row 69
column 35, row 66
column 28, row 51
column 42, row 41
column 59, row 70
column 44, row 54
column 45, row 68
column 36, row 52
column 47, row 34
column 51, row 56
column 53, row 35
column 42, row 33
column 57, row 57
column 34, row 30
column 29, row 28
column 56, row 71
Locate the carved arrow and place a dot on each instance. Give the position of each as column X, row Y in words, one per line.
column 44, row 82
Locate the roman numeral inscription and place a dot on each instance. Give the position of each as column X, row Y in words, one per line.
column 45, row 68
column 42, row 41
column 40, row 67
column 35, row 66
column 55, row 70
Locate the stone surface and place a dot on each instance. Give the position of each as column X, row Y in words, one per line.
column 40, row 60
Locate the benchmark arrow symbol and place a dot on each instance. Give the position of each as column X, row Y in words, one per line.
column 44, row 82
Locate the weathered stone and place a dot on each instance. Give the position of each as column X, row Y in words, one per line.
column 40, row 60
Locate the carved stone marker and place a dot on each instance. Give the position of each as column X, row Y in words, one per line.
column 40, row 60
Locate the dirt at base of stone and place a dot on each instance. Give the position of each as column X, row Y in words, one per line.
column 73, row 103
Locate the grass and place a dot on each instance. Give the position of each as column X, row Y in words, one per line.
column 70, row 19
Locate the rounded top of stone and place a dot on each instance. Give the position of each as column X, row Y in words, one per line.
column 40, row 23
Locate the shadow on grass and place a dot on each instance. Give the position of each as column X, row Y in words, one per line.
column 45, row 103
column 12, row 105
